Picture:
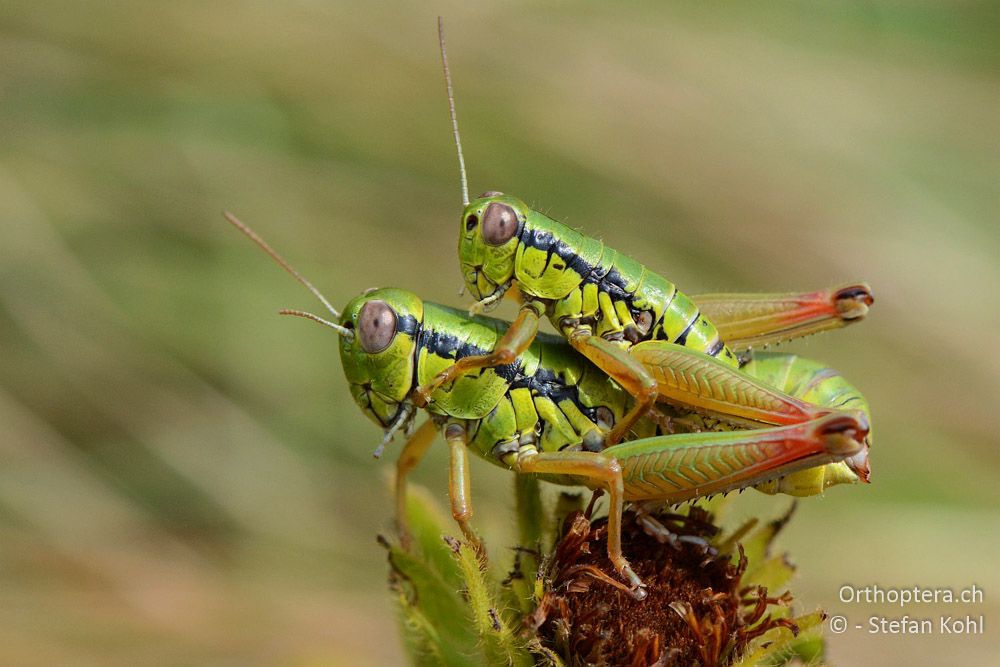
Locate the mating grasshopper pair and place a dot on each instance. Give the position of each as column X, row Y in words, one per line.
column 638, row 361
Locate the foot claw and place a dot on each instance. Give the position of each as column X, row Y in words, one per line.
column 638, row 589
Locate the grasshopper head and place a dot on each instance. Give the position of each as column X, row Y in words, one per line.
column 378, row 342
column 487, row 246
column 379, row 359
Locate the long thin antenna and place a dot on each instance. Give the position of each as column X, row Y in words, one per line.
column 454, row 116
column 342, row 330
column 262, row 244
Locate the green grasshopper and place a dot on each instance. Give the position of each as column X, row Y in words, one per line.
column 634, row 324
column 547, row 411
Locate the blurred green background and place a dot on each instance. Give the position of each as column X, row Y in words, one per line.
column 183, row 478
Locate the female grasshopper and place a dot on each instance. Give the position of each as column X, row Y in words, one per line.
column 635, row 325
column 547, row 412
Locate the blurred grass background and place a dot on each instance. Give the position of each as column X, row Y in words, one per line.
column 183, row 478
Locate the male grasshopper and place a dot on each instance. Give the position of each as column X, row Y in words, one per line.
column 634, row 324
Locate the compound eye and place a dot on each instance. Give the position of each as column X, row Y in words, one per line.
column 376, row 326
column 499, row 223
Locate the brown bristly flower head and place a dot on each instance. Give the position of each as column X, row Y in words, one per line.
column 698, row 611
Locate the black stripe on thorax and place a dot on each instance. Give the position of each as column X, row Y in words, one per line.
column 549, row 244
column 607, row 278
column 449, row 346
column 408, row 325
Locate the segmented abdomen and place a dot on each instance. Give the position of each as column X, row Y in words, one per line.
column 807, row 379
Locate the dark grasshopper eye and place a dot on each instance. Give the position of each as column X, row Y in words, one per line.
column 471, row 222
column 499, row 223
column 376, row 326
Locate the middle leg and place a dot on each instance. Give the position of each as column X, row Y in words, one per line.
column 597, row 471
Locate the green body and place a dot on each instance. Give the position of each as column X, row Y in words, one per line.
column 600, row 300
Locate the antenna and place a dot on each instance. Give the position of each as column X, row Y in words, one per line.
column 451, row 110
column 343, row 331
column 263, row 245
